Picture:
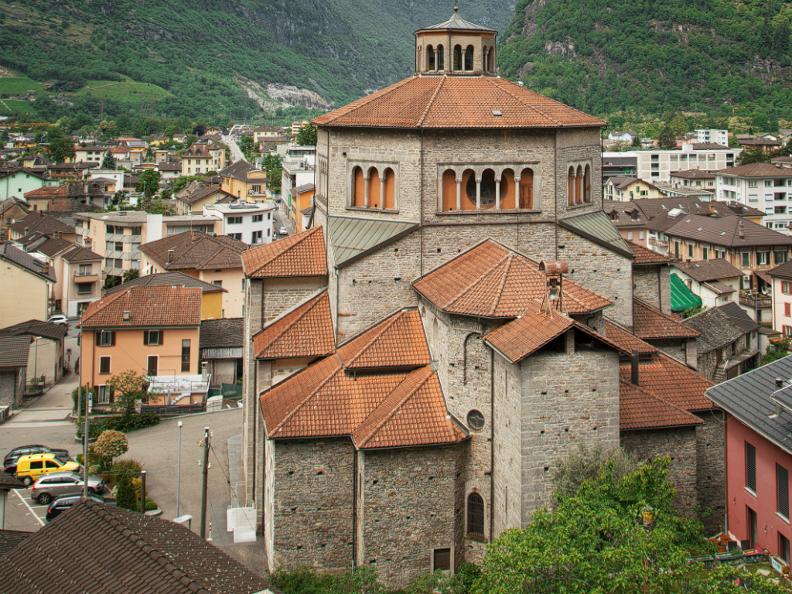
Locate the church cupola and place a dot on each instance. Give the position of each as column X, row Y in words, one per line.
column 456, row 47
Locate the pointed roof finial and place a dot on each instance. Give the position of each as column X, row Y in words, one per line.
column 456, row 8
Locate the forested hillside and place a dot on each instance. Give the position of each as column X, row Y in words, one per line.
column 210, row 58
column 606, row 56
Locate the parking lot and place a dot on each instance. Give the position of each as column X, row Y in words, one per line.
column 22, row 513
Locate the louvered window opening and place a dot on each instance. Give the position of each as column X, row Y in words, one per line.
column 782, row 491
column 750, row 467
column 475, row 515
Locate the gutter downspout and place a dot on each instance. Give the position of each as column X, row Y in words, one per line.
column 255, row 424
column 492, row 447
column 355, row 454
column 555, row 180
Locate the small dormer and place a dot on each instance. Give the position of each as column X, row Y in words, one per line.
column 456, row 47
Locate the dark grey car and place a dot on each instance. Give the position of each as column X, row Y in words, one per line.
column 60, row 484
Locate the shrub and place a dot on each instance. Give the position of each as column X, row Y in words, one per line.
column 125, row 492
column 124, row 423
column 109, row 445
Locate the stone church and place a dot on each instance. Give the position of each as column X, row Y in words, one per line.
column 460, row 317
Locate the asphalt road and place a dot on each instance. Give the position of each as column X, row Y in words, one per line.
column 236, row 152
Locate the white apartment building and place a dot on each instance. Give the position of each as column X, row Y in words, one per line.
column 89, row 153
column 299, row 166
column 203, row 157
column 712, row 135
column 250, row 222
column 116, row 175
column 760, row 185
column 657, row 165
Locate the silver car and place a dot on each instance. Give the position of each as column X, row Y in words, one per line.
column 59, row 484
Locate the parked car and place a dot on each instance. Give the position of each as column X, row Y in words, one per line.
column 58, row 319
column 283, row 231
column 10, row 460
column 61, row 504
column 59, row 484
column 32, row 466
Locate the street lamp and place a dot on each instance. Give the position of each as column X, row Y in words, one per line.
column 178, row 472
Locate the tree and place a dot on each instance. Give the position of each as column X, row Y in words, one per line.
column 307, row 135
column 129, row 275
column 61, row 146
column 148, row 183
column 753, row 156
column 248, row 148
column 598, row 540
column 274, row 167
column 109, row 445
column 127, row 387
column 636, row 141
column 666, row 139
column 108, row 161
column 125, row 493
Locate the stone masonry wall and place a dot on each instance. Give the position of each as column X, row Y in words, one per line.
column 408, row 500
column 711, row 469
column 652, row 285
column 312, row 504
column 252, row 324
column 568, row 400
column 707, row 363
column 281, row 295
column 680, row 445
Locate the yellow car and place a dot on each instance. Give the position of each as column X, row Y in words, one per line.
column 32, row 466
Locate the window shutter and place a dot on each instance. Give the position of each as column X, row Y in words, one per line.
column 782, row 491
column 750, row 467
column 112, row 338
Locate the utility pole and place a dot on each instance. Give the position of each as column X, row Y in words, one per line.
column 205, row 481
column 88, row 402
column 142, row 491
column 178, row 473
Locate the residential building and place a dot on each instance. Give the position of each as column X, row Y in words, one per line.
column 169, row 169
column 81, row 271
column 765, row 144
column 43, row 224
column 18, row 182
column 13, row 372
column 89, row 153
column 657, row 165
column 782, row 161
column 625, row 189
column 759, row 459
column 199, row 223
column 728, row 342
column 694, row 179
column 212, row 259
column 197, row 194
column 243, row 181
column 781, row 294
column 250, row 222
column 712, row 136
column 221, row 350
column 263, row 133
column 763, row 186
column 617, row 137
column 302, row 206
column 211, row 294
column 151, row 330
column 110, row 544
column 31, row 279
column 298, row 169
column 115, row 176
column 46, row 355
column 203, row 157
column 69, row 171
column 716, row 282
column 616, row 166
column 11, row 210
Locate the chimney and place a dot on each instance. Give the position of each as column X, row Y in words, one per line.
column 741, row 229
column 171, row 251
column 126, row 316
column 634, row 368
column 779, row 382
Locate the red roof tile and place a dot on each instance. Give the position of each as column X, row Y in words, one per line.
column 528, row 333
column 302, row 254
column 306, row 331
column 492, row 281
column 146, row 306
column 646, row 257
column 638, row 409
column 627, row 340
column 650, row 323
column 456, row 102
column 193, row 250
column 397, row 342
column 672, row 381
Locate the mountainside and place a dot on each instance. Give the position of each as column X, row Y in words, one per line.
column 209, row 58
column 605, row 56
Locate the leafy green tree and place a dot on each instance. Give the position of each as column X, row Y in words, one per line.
column 636, row 141
column 307, row 135
column 274, row 167
column 129, row 275
column 127, row 386
column 753, row 156
column 108, row 161
column 666, row 139
column 148, row 183
column 109, row 445
column 125, row 492
column 61, row 146
column 248, row 148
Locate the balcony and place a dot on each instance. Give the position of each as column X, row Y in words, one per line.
column 755, row 301
column 89, row 277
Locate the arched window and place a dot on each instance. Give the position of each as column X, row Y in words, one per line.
column 468, row 190
column 526, row 189
column 579, row 185
column 587, row 184
column 487, row 189
column 374, row 197
column 457, row 57
column 430, row 58
column 358, row 188
column 491, row 60
column 475, row 515
column 507, row 190
column 449, row 190
column 389, row 189
column 469, row 58
column 571, row 186
column 440, row 57
column 484, row 53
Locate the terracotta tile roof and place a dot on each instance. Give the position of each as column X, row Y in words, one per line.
column 672, row 381
column 728, row 231
column 103, row 548
column 48, row 192
column 627, row 340
column 646, row 257
column 491, row 281
column 302, row 254
column 81, row 254
column 147, row 306
column 456, row 102
column 709, row 270
column 193, row 250
column 757, row 169
column 413, row 414
column 36, row 328
column 638, row 409
column 528, row 333
column 43, row 223
column 167, row 279
column 306, row 331
column 396, row 342
column 650, row 323
column 14, row 351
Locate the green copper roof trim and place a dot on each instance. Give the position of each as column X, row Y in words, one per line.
column 597, row 227
column 352, row 238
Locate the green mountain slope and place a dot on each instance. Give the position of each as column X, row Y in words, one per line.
column 214, row 58
column 604, row 56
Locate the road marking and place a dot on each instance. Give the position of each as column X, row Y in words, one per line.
column 27, row 505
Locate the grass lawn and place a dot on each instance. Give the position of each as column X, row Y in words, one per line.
column 15, row 85
column 14, row 107
column 124, row 91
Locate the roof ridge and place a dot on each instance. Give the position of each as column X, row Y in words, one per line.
column 308, row 233
column 311, row 394
column 311, row 303
column 503, row 282
column 410, row 393
column 431, row 101
column 387, row 324
column 478, row 280
column 108, row 299
column 520, row 100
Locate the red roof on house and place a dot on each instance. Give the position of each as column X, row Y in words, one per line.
column 145, row 306
column 639, row 409
column 646, row 257
column 528, row 333
column 650, row 323
column 666, row 378
column 492, row 281
column 627, row 340
column 442, row 102
column 302, row 254
column 306, row 331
